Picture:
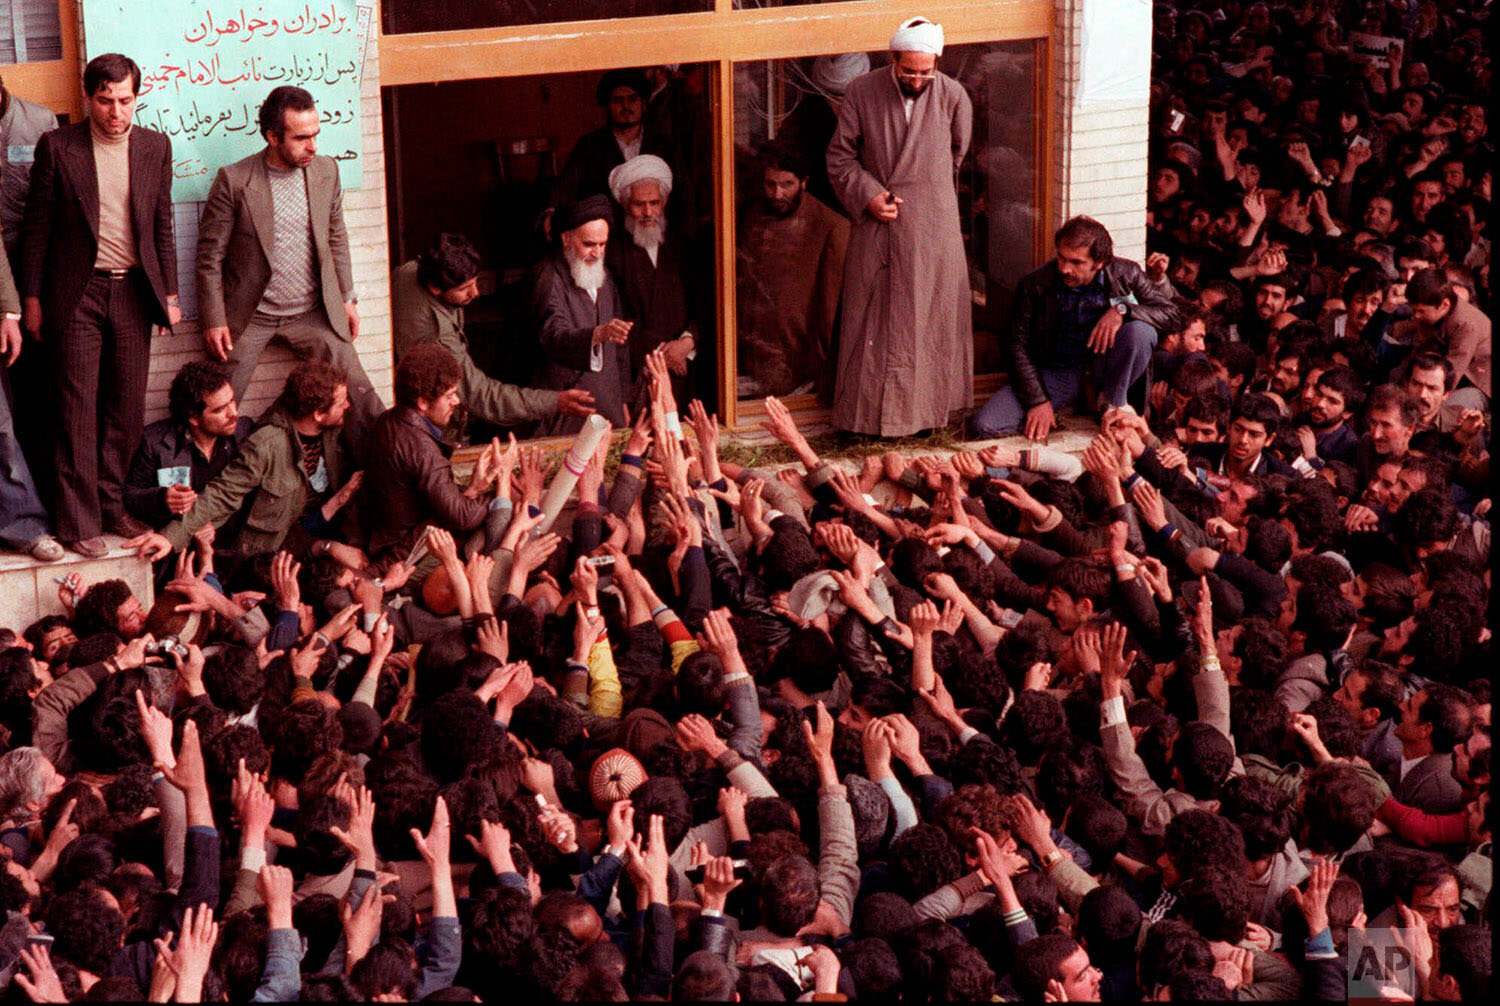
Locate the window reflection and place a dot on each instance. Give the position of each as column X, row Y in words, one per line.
column 402, row 16
column 505, row 174
column 792, row 230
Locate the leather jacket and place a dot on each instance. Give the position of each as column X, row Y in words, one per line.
column 1034, row 317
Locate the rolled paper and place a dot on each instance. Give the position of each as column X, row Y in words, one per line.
column 595, row 428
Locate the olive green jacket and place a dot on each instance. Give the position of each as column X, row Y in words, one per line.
column 267, row 476
column 418, row 317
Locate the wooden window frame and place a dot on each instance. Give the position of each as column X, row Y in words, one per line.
column 722, row 37
column 55, row 83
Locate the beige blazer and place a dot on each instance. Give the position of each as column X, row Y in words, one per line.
column 235, row 235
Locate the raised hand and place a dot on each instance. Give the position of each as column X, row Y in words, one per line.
column 648, row 863
column 559, row 828
column 275, row 886
column 696, row 733
column 906, row 741
column 195, row 945
column 359, row 837
column 820, row 739
column 156, row 731
column 923, row 618
column 718, row 877
column 875, row 741
column 1029, row 823
column 780, row 424
column 1313, row 903
column 1115, row 661
column 40, row 981
column 619, row 824
column 362, row 923
column 1148, row 502
column 434, row 846
column 493, row 843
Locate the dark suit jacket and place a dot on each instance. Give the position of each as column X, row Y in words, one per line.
column 235, row 236
column 1429, row 785
column 61, row 230
column 1034, row 317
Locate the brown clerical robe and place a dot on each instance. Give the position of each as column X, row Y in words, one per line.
column 790, row 272
column 906, row 348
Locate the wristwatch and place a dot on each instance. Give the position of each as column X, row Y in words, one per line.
column 1052, row 858
column 1122, row 309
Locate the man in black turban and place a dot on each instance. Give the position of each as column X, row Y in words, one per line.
column 580, row 324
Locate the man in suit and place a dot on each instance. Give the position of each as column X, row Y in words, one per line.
column 273, row 257
column 1433, row 722
column 99, row 269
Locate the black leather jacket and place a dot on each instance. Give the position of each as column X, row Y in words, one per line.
column 1034, row 317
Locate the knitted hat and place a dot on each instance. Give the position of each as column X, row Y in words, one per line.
column 615, row 773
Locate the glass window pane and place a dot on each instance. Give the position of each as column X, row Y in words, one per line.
column 402, row 16
column 527, row 145
column 787, row 287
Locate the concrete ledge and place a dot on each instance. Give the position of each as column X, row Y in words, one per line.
column 28, row 590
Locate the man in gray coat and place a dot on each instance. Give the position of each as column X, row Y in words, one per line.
column 906, row 345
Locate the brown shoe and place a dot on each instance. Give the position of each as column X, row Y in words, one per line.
column 91, row 548
column 125, row 526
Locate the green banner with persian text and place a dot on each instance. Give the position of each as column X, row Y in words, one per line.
column 206, row 66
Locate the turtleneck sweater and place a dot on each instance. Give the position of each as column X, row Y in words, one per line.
column 116, row 228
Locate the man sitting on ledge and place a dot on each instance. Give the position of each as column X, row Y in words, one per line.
column 1084, row 311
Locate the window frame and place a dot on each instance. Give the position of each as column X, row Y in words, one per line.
column 54, row 83
column 720, row 38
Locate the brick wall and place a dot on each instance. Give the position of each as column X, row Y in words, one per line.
column 364, row 215
column 1101, row 148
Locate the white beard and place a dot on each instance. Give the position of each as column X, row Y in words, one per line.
column 587, row 276
column 649, row 238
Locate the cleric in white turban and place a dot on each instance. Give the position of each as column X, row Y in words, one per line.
column 906, row 348
column 918, row 35
column 642, row 186
column 640, row 168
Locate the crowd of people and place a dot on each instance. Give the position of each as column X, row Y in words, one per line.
column 1202, row 713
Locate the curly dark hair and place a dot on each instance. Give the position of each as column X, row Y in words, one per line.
column 190, row 389
column 922, row 859
column 451, row 260
column 425, row 372
column 1198, row 839
column 305, row 730
column 97, row 609
column 311, row 387
column 86, row 929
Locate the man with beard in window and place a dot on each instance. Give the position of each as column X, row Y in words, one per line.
column 791, row 267
column 649, row 265
column 579, row 319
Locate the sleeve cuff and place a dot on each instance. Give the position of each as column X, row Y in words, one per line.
column 1112, row 712
column 252, row 858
